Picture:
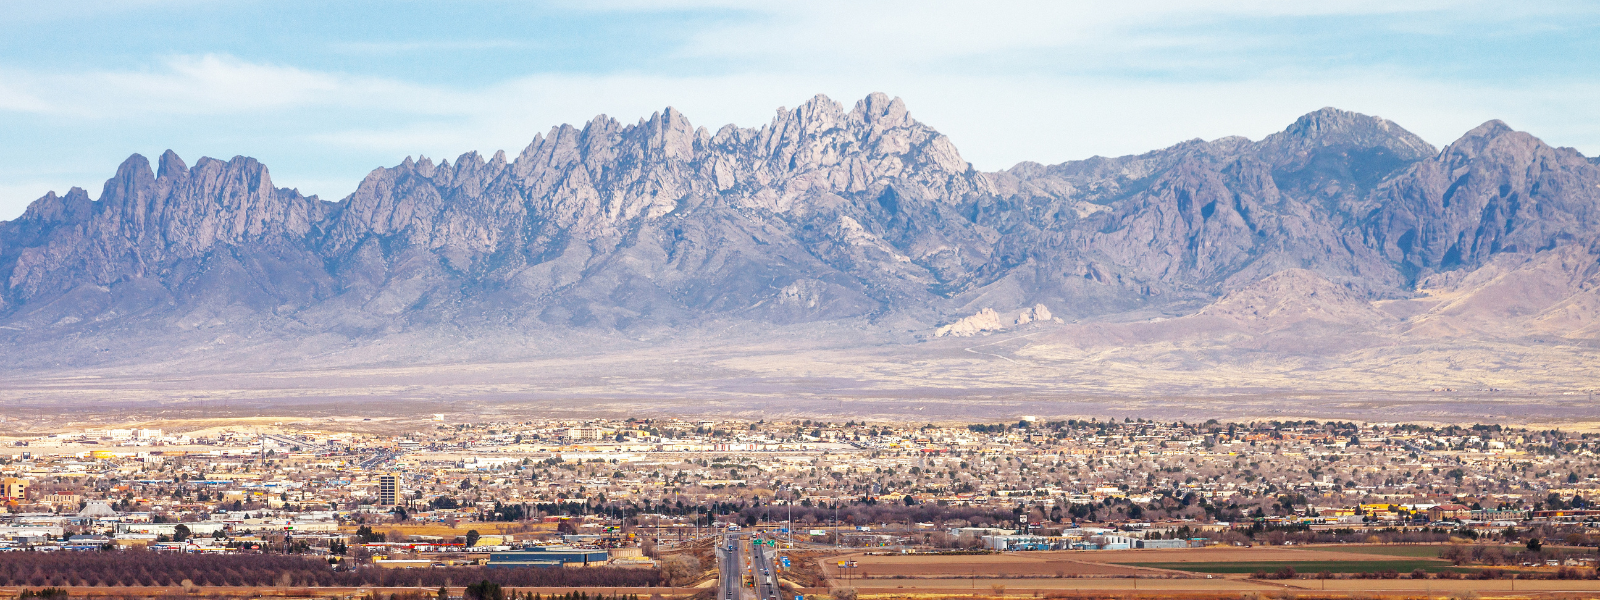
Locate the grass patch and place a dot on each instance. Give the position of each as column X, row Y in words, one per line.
column 1407, row 551
column 1306, row 566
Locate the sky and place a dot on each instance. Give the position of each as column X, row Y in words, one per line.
column 324, row 92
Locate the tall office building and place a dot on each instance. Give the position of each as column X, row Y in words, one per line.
column 389, row 489
column 14, row 489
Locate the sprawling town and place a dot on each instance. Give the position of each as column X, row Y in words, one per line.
column 762, row 509
column 649, row 483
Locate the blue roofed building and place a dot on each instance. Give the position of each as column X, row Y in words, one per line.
column 548, row 556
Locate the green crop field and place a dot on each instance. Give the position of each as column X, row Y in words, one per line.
column 1407, row 551
column 1307, row 566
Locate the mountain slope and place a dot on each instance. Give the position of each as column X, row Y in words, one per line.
column 861, row 220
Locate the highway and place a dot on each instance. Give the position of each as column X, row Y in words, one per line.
column 731, row 566
column 737, row 557
column 383, row 456
column 766, row 572
column 291, row 441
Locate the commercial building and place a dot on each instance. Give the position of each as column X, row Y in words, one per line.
column 13, row 488
column 389, row 489
column 548, row 556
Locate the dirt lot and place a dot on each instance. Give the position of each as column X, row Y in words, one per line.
column 1023, row 588
column 1217, row 588
column 1496, row 588
column 1221, row 554
column 1220, row 589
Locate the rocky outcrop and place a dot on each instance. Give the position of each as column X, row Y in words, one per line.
column 1037, row 313
column 984, row 320
column 989, row 320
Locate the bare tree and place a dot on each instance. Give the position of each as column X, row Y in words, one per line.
column 680, row 569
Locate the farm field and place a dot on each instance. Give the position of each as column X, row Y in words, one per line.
column 167, row 592
column 1413, row 551
column 999, row 566
column 1309, row 566
column 1221, row 588
column 1500, row 588
column 967, row 588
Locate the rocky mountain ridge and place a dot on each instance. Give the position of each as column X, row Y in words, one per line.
column 864, row 217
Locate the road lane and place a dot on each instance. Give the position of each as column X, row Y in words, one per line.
column 731, row 568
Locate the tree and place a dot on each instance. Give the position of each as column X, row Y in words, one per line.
column 1534, row 544
column 367, row 536
column 484, row 590
column 680, row 569
column 472, row 537
column 180, row 533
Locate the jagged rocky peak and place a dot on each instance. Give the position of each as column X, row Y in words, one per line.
column 196, row 207
column 826, row 211
column 171, row 166
column 669, row 135
column 147, row 220
column 75, row 206
column 880, row 112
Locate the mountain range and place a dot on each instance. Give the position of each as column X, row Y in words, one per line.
column 843, row 227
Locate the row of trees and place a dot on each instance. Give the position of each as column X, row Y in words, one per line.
column 139, row 568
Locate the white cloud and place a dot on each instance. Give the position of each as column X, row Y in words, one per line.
column 996, row 120
column 403, row 47
column 1008, row 81
column 833, row 34
column 204, row 85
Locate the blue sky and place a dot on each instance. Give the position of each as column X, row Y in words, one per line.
column 323, row 92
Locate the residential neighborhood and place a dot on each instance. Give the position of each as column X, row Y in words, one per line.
column 635, row 485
